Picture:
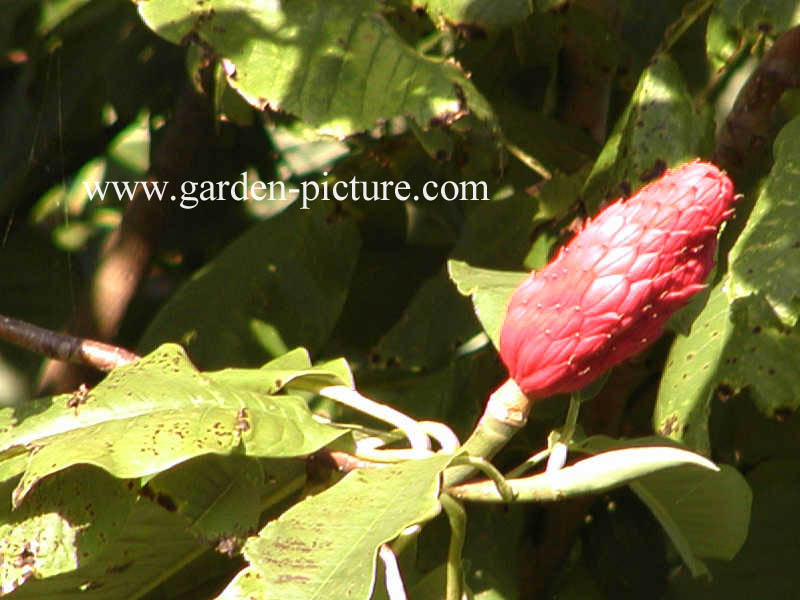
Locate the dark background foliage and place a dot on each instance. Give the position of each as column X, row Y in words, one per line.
column 558, row 107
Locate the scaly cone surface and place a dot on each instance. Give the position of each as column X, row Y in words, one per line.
column 609, row 291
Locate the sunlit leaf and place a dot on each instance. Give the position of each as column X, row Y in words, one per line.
column 338, row 65
column 155, row 413
column 325, row 546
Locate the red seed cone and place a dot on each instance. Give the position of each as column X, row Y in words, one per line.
column 609, row 291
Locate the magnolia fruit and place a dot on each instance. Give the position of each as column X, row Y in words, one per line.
column 609, row 291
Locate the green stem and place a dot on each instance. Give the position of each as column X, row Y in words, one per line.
column 457, row 517
column 528, row 464
column 558, row 450
column 691, row 12
column 505, row 414
column 571, row 422
column 488, row 469
column 593, row 475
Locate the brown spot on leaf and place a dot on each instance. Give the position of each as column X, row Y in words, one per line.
column 669, row 426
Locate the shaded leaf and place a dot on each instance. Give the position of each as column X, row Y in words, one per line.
column 775, row 16
column 558, row 195
column 711, row 509
column 496, row 235
column 325, row 546
column 488, row 13
column 688, row 502
column 223, row 496
column 338, row 65
column 768, row 558
column 454, row 394
column 493, row 575
column 38, row 293
column 283, row 287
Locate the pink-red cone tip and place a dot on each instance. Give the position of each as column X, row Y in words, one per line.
column 609, row 291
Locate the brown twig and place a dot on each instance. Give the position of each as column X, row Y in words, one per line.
column 344, row 462
column 749, row 128
column 61, row 346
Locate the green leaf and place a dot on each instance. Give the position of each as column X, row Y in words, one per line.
column 692, row 372
column 149, row 546
column 738, row 345
column 617, row 467
column 66, row 523
column 488, row 13
column 705, row 513
column 558, row 195
column 283, row 287
column 722, row 40
column 490, row 291
column 493, row 575
column 155, row 413
column 223, row 496
column 711, row 509
column 775, row 16
column 338, row 64
column 763, row 359
column 497, row 235
column 292, row 369
column 766, row 257
column 658, row 129
column 325, row 546
column 768, row 558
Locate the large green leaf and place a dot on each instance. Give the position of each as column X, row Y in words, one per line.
column 712, row 510
column 692, row 372
column 768, row 559
column 325, row 546
column 153, row 414
column 766, row 257
column 688, row 502
column 84, row 534
column 337, row 64
column 278, row 286
column 659, row 128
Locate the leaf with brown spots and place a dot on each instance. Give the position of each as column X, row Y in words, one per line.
column 160, row 411
column 326, row 546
